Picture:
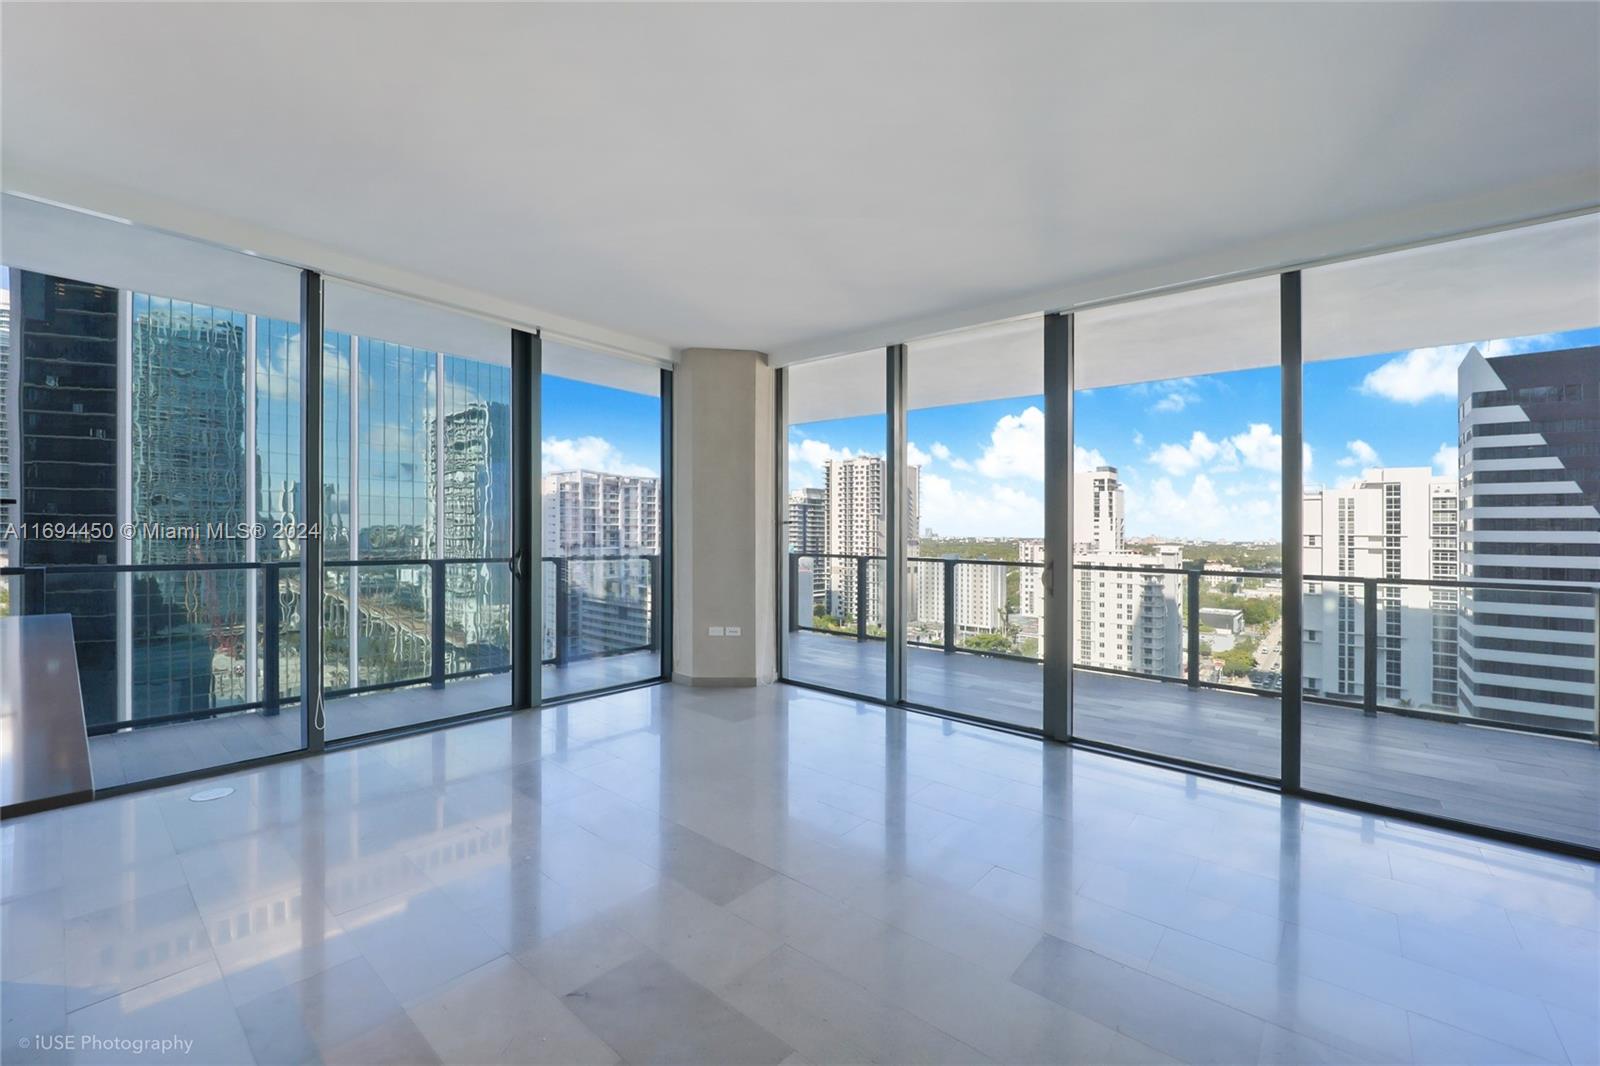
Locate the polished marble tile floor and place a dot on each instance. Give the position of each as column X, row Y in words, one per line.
column 775, row 875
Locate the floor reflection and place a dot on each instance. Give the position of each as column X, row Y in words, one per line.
column 757, row 874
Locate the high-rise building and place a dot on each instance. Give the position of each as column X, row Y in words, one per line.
column 1126, row 620
column 589, row 512
column 980, row 594
column 187, row 472
column 808, row 533
column 1030, row 579
column 589, row 515
column 857, row 526
column 1530, row 513
column 1395, row 522
column 64, row 347
column 476, row 517
column 1129, row 620
column 808, row 520
column 1098, row 521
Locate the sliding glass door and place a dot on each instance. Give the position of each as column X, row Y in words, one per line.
column 1452, row 537
column 603, row 505
column 150, row 399
column 1177, row 554
column 836, row 518
column 974, row 469
column 416, row 597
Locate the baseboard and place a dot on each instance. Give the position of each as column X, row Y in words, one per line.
column 713, row 682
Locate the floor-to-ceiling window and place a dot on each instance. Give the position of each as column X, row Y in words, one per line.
column 150, row 414
column 416, row 498
column 1452, row 530
column 601, row 507
column 1177, row 594
column 836, row 522
column 974, row 475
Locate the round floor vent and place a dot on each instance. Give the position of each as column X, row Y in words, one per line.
column 206, row 795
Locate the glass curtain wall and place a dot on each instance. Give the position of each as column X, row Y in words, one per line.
column 974, row 534
column 1452, row 529
column 1177, row 526
column 601, row 507
column 416, row 606
column 836, row 441
column 149, row 414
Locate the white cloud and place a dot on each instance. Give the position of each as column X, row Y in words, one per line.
column 1016, row 447
column 1173, row 396
column 807, row 457
column 1418, row 375
column 1138, row 439
column 960, row 464
column 1259, row 446
column 1169, row 510
column 1430, row 373
column 940, row 452
column 587, row 453
column 1445, row 460
column 915, row 456
column 953, row 511
column 1361, row 454
column 1086, row 459
column 1180, row 459
column 815, row 453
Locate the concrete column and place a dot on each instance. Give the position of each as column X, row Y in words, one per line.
column 723, row 469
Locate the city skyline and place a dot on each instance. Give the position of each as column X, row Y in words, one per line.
column 1198, row 457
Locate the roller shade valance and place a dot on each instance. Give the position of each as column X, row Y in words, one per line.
column 54, row 240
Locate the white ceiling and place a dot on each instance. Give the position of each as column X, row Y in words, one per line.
column 802, row 179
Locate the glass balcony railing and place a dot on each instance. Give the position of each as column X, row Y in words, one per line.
column 163, row 644
column 1507, row 655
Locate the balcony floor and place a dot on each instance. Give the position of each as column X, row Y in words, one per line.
column 162, row 751
column 1543, row 786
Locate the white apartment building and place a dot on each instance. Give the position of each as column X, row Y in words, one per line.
column 808, row 520
column 1030, row 579
column 1098, row 511
column 1530, row 509
column 980, row 591
column 1395, row 522
column 856, row 526
column 1128, row 620
column 589, row 513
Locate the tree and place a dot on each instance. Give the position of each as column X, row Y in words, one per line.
column 1260, row 612
column 987, row 642
column 1238, row 661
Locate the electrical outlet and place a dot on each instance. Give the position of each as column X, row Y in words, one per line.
column 714, row 631
column 733, row 631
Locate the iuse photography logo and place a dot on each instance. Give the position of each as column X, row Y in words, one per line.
column 125, row 1045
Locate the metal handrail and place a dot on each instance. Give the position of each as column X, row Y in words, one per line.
column 437, row 672
column 1369, row 702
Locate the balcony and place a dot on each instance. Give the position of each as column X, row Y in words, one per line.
column 175, row 679
column 1537, row 778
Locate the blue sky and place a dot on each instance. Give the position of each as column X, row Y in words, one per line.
column 594, row 427
column 1199, row 457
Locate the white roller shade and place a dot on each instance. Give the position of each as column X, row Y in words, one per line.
column 71, row 244
column 348, row 308
column 566, row 360
column 1000, row 361
column 846, row 386
column 1516, row 283
column 1186, row 334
